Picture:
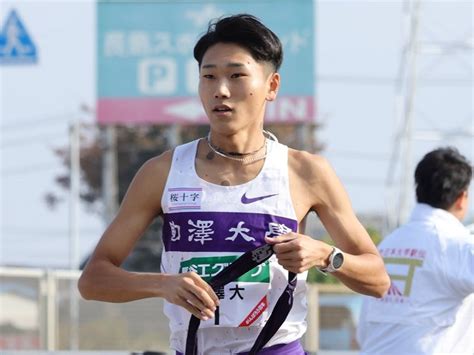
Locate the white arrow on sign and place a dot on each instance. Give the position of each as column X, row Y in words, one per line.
column 190, row 110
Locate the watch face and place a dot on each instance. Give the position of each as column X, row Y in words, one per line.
column 337, row 260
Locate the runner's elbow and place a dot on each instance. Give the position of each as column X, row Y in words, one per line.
column 85, row 286
column 382, row 286
column 88, row 283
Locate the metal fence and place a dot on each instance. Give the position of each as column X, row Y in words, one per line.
column 42, row 310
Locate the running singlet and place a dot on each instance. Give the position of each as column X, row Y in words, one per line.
column 207, row 226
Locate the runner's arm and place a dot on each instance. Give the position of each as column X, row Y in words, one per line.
column 104, row 280
column 363, row 269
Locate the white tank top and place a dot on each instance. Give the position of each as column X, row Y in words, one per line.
column 207, row 226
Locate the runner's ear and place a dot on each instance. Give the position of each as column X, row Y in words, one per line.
column 273, row 86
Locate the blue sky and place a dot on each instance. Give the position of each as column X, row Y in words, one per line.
column 358, row 52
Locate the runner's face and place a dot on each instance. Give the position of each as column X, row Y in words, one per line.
column 234, row 87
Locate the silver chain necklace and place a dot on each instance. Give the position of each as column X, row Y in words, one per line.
column 244, row 158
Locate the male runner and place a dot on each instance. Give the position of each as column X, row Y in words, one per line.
column 228, row 193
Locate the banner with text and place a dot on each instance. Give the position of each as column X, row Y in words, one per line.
column 147, row 72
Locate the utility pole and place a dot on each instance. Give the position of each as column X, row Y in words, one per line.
column 74, row 158
column 407, row 135
column 173, row 135
column 109, row 172
column 74, row 254
column 405, row 99
column 421, row 65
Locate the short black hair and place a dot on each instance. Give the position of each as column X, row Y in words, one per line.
column 246, row 31
column 441, row 176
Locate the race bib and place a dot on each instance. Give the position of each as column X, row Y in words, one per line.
column 242, row 303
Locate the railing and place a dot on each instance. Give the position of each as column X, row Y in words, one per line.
column 42, row 310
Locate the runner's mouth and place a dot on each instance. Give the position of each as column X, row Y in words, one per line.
column 222, row 108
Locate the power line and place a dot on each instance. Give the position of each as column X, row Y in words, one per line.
column 40, row 138
column 346, row 154
column 372, row 80
column 21, row 123
column 362, row 181
column 27, row 169
column 49, row 231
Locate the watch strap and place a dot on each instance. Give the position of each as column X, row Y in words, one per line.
column 331, row 267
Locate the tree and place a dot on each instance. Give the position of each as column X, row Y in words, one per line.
column 135, row 145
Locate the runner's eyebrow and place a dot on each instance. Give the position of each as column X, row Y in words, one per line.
column 231, row 65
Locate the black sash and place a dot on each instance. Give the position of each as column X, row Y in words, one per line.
column 243, row 264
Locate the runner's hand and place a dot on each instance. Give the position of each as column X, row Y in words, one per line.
column 191, row 292
column 298, row 252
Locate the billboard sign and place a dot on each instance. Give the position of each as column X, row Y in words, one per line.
column 147, row 72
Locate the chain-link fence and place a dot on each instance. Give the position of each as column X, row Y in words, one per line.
column 42, row 310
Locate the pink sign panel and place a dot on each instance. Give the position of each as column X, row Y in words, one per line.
column 286, row 109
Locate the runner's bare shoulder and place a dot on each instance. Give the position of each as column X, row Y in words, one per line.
column 307, row 166
column 149, row 182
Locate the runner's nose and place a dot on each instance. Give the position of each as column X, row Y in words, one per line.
column 222, row 90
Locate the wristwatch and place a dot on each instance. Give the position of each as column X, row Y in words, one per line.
column 336, row 259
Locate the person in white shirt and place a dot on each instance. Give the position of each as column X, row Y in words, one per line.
column 429, row 308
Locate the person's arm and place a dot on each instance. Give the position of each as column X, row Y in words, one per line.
column 315, row 186
column 458, row 265
column 104, row 280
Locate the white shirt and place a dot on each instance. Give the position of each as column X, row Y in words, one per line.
column 429, row 308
